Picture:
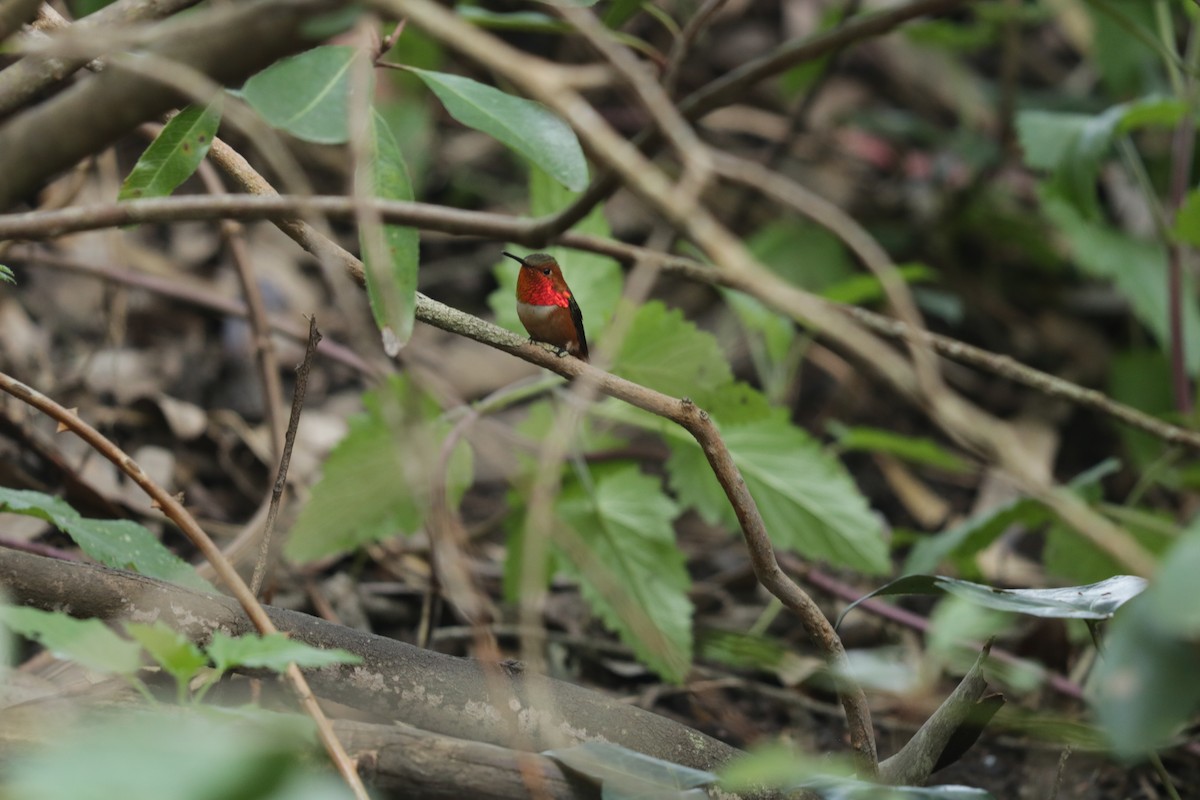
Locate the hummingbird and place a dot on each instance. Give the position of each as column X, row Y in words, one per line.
column 546, row 306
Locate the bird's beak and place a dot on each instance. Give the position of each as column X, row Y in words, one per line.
column 517, row 259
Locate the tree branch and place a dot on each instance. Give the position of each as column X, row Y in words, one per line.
column 226, row 43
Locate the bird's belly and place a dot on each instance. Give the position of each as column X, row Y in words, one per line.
column 535, row 315
column 550, row 324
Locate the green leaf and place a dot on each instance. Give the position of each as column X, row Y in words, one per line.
column 174, row 154
column 116, row 543
column 391, row 253
column 171, row 650
column 377, row 481
column 207, row 754
column 628, row 774
column 1145, row 685
column 968, row 538
column 664, row 351
column 628, row 566
column 273, row 651
column 307, row 95
column 808, row 500
column 595, row 280
column 88, row 642
column 1094, row 601
column 6, row 275
column 527, row 21
column 526, row 127
column 1073, row 146
column 1138, row 268
column 1187, row 220
column 914, row 449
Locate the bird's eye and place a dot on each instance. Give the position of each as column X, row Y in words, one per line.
column 546, row 271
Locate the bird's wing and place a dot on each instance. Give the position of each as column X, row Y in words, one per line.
column 577, row 318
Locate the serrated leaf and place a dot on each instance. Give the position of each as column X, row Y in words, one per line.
column 391, row 259
column 664, row 351
column 86, row 641
column 6, row 275
column 1094, row 601
column 116, row 543
column 1137, row 267
column 526, row 127
column 307, row 95
column 628, row 566
column 273, row 651
column 808, row 500
column 595, row 280
column 174, row 154
column 171, row 650
column 969, row 537
column 377, row 481
column 625, row 774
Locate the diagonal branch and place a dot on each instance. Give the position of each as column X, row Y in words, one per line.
column 283, row 211
column 174, row 510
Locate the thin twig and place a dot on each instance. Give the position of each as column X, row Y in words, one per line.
column 283, row 211
column 691, row 32
column 174, row 510
column 958, row 417
column 179, row 288
column 285, row 459
column 260, row 328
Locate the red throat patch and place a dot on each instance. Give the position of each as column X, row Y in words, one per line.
column 538, row 290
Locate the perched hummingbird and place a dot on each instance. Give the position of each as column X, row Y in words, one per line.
column 546, row 306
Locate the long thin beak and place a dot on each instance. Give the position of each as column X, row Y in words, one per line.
column 517, row 259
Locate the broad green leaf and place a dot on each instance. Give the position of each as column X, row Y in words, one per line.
column 1125, row 61
column 1073, row 146
column 170, row 649
column 273, row 651
column 1172, row 599
column 117, row 543
column 392, row 258
column 628, row 566
column 1138, row 268
column 307, row 95
column 966, row 539
column 664, row 351
column 1095, row 601
column 526, row 127
column 377, row 481
column 174, row 154
column 808, row 500
column 915, row 449
column 625, row 774
column 1046, row 136
column 207, row 754
column 6, row 275
column 1145, row 685
column 595, row 280
column 88, row 642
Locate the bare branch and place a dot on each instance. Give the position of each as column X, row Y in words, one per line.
column 226, row 43
column 173, row 508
